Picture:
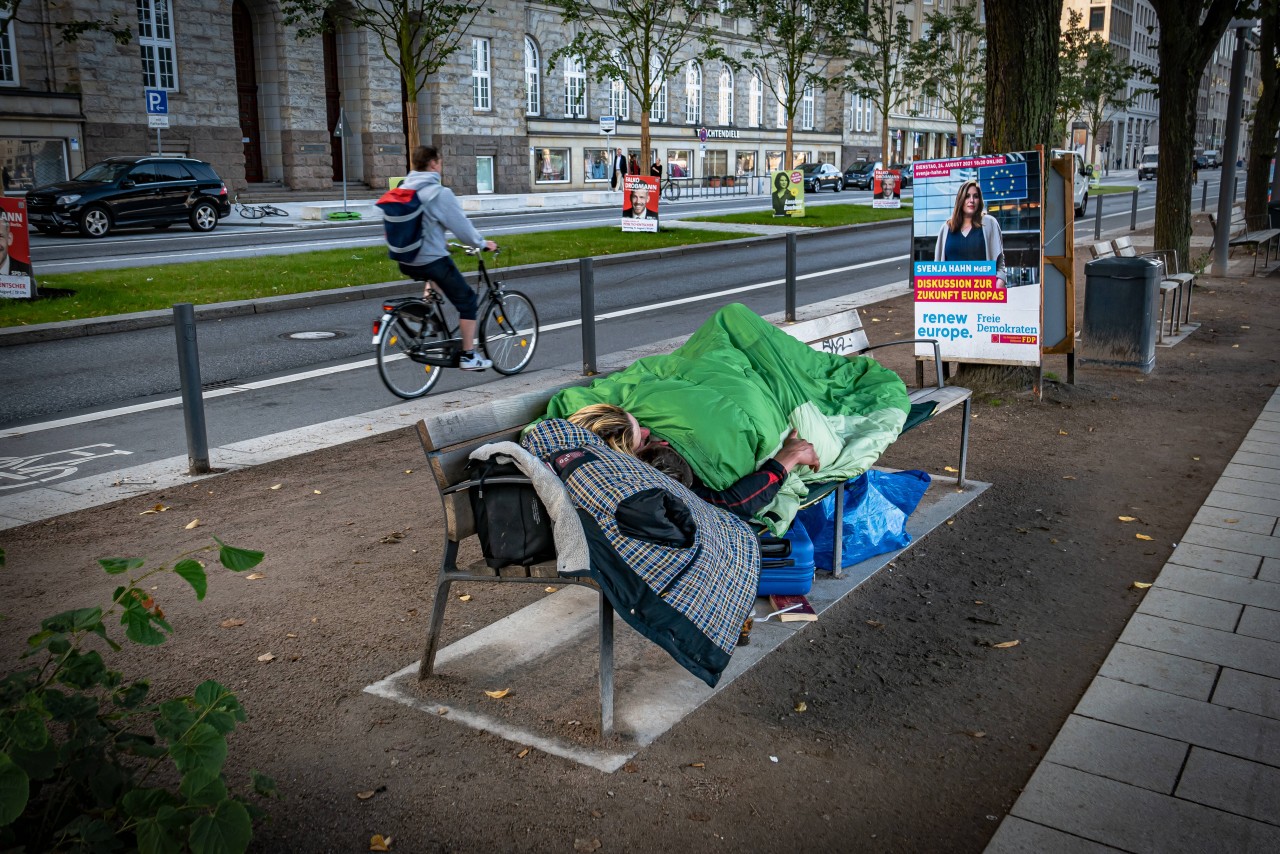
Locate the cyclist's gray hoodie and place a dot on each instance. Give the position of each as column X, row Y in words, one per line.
column 442, row 211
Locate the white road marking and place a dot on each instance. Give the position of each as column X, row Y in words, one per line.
column 367, row 363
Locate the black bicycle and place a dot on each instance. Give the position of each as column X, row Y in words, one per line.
column 249, row 210
column 670, row 189
column 415, row 340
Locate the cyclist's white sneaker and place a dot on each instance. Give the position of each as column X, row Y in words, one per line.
column 474, row 362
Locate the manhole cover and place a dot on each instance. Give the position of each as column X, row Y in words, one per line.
column 311, row 336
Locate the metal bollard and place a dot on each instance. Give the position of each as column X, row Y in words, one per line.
column 1133, row 213
column 791, row 277
column 184, row 329
column 1204, row 194
column 1097, row 219
column 587, row 287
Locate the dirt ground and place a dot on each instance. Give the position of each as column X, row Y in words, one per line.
column 916, row 735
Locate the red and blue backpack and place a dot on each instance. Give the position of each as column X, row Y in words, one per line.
column 402, row 221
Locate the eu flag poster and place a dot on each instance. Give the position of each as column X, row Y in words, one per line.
column 1005, row 183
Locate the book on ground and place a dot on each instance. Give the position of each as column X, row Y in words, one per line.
column 795, row 608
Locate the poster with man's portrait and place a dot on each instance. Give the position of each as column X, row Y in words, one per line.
column 886, row 186
column 788, row 193
column 640, row 203
column 15, row 250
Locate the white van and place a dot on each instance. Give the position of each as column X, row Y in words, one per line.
column 1213, row 159
column 1080, row 185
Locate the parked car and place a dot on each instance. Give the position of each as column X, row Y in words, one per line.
column 904, row 173
column 1213, row 159
column 1083, row 177
column 1201, row 161
column 124, row 191
column 819, row 175
column 859, row 175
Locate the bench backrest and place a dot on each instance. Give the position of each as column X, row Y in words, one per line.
column 840, row 333
column 1101, row 250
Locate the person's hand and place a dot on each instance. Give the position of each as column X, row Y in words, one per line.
column 797, row 452
column 491, row 246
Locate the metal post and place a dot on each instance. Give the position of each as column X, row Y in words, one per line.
column 791, row 277
column 342, row 122
column 1133, row 212
column 1204, row 194
column 159, row 147
column 587, row 286
column 1097, row 219
column 1230, row 150
column 184, row 328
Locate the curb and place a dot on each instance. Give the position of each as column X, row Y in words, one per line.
column 63, row 330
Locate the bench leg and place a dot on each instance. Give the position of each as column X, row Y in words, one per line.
column 606, row 667
column 837, row 559
column 1160, row 328
column 1175, row 319
column 428, row 662
column 964, row 440
column 919, row 374
column 1186, row 301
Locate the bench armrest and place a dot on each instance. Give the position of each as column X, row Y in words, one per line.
column 937, row 351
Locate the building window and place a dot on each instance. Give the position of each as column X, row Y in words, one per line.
column 484, row 174
column 726, row 96
column 8, row 53
column 155, row 41
column 716, row 162
column 866, row 111
column 551, row 166
column 532, row 79
column 619, row 99
column 755, row 101
column 480, row 74
column 855, row 105
column 1097, row 14
column 575, row 89
column 678, row 160
column 693, row 93
column 597, row 164
column 806, row 108
column 658, row 112
column 746, row 162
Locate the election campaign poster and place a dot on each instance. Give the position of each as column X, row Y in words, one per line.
column 788, row 193
column 640, row 203
column 15, row 250
column 976, row 257
column 886, row 187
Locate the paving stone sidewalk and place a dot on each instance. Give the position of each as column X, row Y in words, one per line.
column 1176, row 744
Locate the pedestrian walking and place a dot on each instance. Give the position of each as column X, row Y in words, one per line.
column 619, row 170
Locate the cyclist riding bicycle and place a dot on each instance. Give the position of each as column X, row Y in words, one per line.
column 433, row 263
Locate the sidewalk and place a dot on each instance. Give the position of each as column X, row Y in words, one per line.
column 1176, row 744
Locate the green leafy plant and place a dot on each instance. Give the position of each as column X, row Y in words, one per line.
column 88, row 762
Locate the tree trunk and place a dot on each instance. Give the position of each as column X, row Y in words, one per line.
column 959, row 152
column 1022, row 73
column 885, row 144
column 1266, row 116
column 644, row 142
column 412, row 139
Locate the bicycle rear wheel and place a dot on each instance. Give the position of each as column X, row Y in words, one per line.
column 406, row 333
column 509, row 332
column 671, row 192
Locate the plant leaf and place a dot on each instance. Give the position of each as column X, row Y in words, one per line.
column 1005, row 645
column 1142, row 537
column 119, row 565
column 192, row 572
column 1127, row 518
column 1140, row 585
column 200, row 747
column 499, row 694
column 14, row 790
column 228, row 830
column 237, row 560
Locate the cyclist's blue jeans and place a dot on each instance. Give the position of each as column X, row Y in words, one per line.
column 449, row 278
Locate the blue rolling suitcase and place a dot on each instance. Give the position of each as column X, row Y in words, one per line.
column 786, row 563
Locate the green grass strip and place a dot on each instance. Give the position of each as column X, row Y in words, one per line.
column 102, row 293
column 1110, row 190
column 815, row 216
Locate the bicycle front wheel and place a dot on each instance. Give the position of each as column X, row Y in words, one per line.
column 403, row 336
column 672, row 191
column 509, row 332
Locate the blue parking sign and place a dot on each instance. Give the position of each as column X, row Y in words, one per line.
column 157, row 102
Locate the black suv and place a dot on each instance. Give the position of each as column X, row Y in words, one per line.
column 859, row 175
column 819, row 175
column 119, row 191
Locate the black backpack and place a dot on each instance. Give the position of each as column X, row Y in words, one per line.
column 511, row 521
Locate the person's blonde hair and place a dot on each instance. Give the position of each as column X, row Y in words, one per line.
column 611, row 423
column 957, row 213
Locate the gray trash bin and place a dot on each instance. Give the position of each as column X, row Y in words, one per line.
column 1273, row 214
column 1121, row 312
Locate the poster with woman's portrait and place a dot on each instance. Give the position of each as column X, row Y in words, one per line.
column 976, row 249
column 787, row 193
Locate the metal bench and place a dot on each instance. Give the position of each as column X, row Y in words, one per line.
column 1248, row 232
column 1171, row 272
column 1169, row 288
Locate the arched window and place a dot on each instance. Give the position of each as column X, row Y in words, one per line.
column 693, row 93
column 806, row 108
column 726, row 96
column 619, row 100
column 755, row 100
column 575, row 88
column 532, row 79
column 658, row 113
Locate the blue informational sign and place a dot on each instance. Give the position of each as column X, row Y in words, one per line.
column 157, row 102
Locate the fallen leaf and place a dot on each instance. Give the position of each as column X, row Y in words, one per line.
column 159, row 508
column 408, row 471
column 291, row 635
column 586, row 844
column 1197, row 459
column 1005, row 645
column 1231, row 521
column 802, row 707
column 697, row 765
column 1235, row 346
column 465, row 597
column 277, row 486
column 1142, row 536
column 231, row 623
column 1063, row 433
column 1139, row 585
column 976, row 734
column 631, row 767
column 442, row 711
column 1244, row 327
column 254, row 576
column 1127, row 518
column 1053, row 541
column 266, row 656
column 522, row 754
column 380, row 843
column 498, row 695
column 194, row 523
column 978, row 602
column 364, row 796
column 1068, row 477
column 317, row 492
column 548, row 590
column 875, row 624
column 950, row 469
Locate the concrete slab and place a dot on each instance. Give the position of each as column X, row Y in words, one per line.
column 1018, row 836
column 1260, row 623
column 1260, row 445
column 1235, row 785
column 1248, row 472
column 1135, row 819
column 1246, row 591
column 1248, row 692
column 1127, row 755
column 1162, row 671
column 1246, row 503
column 1182, row 334
column 652, row 692
column 1182, row 719
column 1236, row 520
column 1270, row 570
column 1188, row 608
column 1249, row 458
column 1217, row 560
column 1245, row 486
column 1234, row 541
column 1223, row 648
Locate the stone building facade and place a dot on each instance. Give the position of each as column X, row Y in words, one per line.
column 246, row 94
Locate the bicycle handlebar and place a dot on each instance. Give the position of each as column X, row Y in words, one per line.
column 471, row 250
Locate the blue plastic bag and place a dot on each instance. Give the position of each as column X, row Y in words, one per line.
column 876, row 507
